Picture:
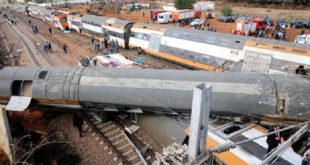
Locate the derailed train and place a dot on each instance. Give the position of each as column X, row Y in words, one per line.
column 156, row 90
column 194, row 48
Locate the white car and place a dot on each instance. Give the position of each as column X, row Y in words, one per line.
column 197, row 22
column 303, row 39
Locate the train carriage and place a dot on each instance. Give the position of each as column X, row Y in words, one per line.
column 118, row 30
column 35, row 11
column 273, row 56
column 219, row 51
column 75, row 22
column 92, row 26
column 59, row 20
column 197, row 49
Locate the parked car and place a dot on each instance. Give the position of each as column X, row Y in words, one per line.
column 282, row 23
column 296, row 24
column 197, row 22
column 303, row 39
column 306, row 24
column 226, row 19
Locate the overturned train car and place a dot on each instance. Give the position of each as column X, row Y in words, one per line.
column 156, row 90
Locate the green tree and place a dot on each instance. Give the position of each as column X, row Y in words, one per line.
column 226, row 11
column 184, row 4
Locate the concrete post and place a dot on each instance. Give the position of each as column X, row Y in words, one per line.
column 199, row 120
column 5, row 133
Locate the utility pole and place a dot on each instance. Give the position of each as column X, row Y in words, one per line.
column 199, row 120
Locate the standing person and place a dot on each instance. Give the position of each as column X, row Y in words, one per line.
column 45, row 47
column 92, row 40
column 50, row 30
column 98, row 46
column 273, row 140
column 36, row 29
column 143, row 13
column 29, row 22
column 302, row 31
column 106, row 43
column 78, row 123
column 113, row 45
column 50, row 47
column 64, row 47
column 33, row 29
column 116, row 46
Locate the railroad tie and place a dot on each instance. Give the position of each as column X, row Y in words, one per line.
column 115, row 137
column 110, row 133
column 101, row 125
column 132, row 158
column 127, row 152
column 139, row 163
column 118, row 142
column 124, row 146
column 105, row 129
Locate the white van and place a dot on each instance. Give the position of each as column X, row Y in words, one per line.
column 303, row 39
column 164, row 17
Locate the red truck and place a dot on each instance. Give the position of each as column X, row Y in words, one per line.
column 154, row 14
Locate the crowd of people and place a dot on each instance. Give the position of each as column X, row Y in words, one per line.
column 111, row 46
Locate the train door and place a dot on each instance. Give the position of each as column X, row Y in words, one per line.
column 154, row 42
column 256, row 62
column 127, row 29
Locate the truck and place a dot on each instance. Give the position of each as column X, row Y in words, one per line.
column 164, row 17
column 207, row 7
column 185, row 15
column 154, row 14
column 248, row 26
column 244, row 26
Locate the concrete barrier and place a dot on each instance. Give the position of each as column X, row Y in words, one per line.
column 5, row 133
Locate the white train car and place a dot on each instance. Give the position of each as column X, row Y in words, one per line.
column 92, row 26
column 75, row 22
column 119, row 30
column 219, row 51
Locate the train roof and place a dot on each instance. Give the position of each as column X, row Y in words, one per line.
column 217, row 38
column 94, row 19
column 118, row 22
column 42, row 10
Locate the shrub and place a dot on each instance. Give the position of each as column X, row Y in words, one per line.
column 226, row 11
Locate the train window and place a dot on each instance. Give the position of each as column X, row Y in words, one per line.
column 234, row 52
column 192, row 57
column 42, row 74
column 233, row 128
column 205, row 59
column 139, row 35
column 238, row 42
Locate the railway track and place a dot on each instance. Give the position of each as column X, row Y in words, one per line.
column 113, row 138
column 35, row 40
column 36, row 56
